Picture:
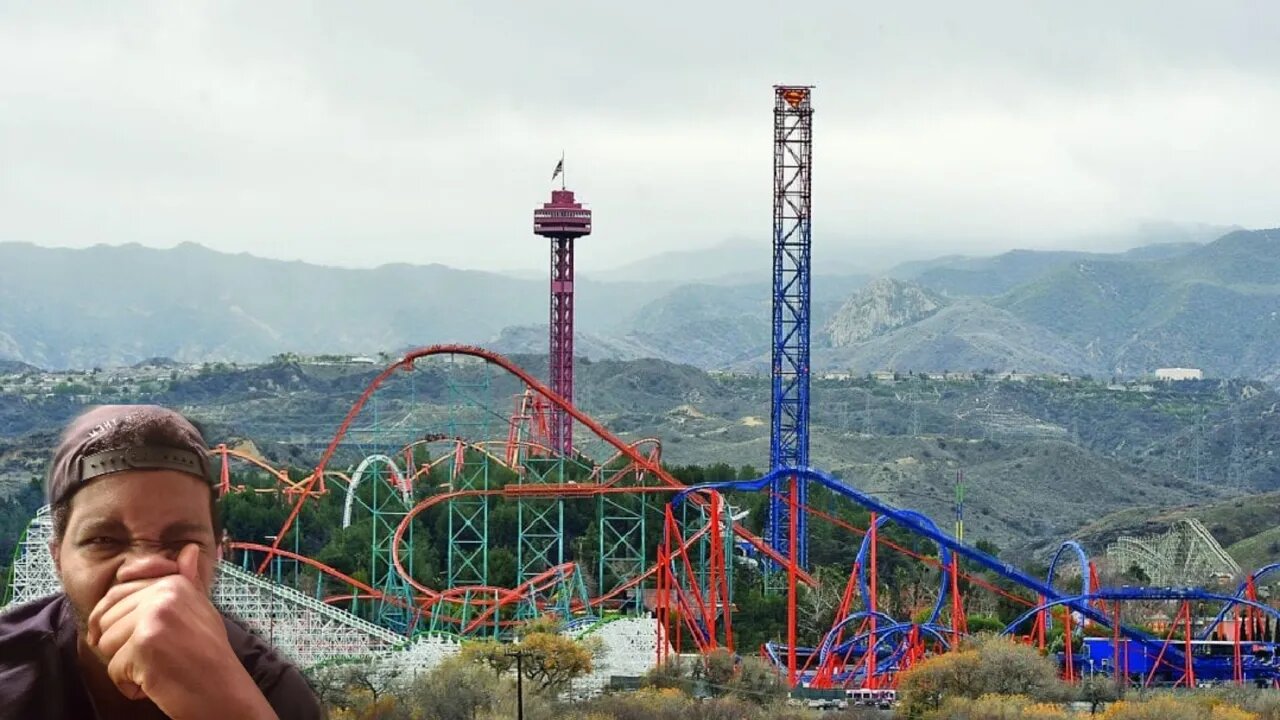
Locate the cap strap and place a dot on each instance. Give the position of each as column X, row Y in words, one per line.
column 142, row 457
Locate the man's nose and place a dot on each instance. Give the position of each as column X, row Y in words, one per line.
column 145, row 561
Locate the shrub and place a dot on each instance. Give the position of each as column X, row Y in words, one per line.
column 996, row 666
column 999, row 707
column 674, row 673
column 1161, row 707
column 457, row 690
column 757, row 681
column 646, row 704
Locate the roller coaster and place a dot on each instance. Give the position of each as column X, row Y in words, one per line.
column 659, row 549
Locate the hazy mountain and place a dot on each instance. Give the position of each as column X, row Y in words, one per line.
column 532, row 340
column 1244, row 257
column 1216, row 308
column 740, row 261
column 118, row 305
column 13, row 367
column 965, row 335
column 984, row 276
column 992, row 276
column 884, row 305
column 730, row 262
column 725, row 326
column 708, row 326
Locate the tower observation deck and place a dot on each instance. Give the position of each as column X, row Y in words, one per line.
column 563, row 220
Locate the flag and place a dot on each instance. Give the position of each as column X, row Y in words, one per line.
column 559, row 169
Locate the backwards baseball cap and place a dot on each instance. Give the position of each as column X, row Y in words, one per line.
column 116, row 438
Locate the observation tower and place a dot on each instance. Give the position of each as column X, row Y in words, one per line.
column 563, row 220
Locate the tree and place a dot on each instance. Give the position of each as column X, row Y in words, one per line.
column 368, row 678
column 360, row 691
column 1098, row 691
column 550, row 660
column 547, row 624
column 988, row 547
column 1137, row 575
column 555, row 660
column 457, row 690
column 996, row 665
column 818, row 604
column 758, row 681
column 718, row 668
column 490, row 653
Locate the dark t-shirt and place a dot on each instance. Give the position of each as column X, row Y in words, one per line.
column 40, row 679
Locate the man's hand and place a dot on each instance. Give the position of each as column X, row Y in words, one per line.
column 163, row 640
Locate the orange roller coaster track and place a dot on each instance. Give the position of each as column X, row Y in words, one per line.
column 633, row 453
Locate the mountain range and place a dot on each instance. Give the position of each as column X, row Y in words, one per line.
column 117, row 305
column 1213, row 306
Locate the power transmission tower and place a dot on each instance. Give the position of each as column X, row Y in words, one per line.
column 866, row 415
column 915, row 414
column 1198, row 450
column 1236, row 467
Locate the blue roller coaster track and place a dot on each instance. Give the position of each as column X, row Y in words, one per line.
column 951, row 548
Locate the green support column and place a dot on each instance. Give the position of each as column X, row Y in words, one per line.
column 468, row 556
column 622, row 556
column 540, row 545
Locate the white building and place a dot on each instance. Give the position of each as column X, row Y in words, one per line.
column 1179, row 374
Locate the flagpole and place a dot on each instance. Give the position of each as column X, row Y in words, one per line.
column 562, row 173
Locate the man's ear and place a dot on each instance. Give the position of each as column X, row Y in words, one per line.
column 55, row 551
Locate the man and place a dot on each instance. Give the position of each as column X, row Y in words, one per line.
column 134, row 634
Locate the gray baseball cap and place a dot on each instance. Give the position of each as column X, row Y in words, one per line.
column 117, row 438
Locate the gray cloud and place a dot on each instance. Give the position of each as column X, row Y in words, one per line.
column 364, row 133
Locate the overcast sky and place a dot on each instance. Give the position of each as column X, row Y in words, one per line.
column 362, row 133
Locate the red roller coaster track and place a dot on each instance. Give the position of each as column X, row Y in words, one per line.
column 646, row 462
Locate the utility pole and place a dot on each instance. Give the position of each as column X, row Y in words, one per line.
column 519, row 656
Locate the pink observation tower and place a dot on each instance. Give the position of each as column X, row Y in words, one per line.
column 562, row 220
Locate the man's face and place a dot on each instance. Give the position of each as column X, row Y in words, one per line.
column 131, row 526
